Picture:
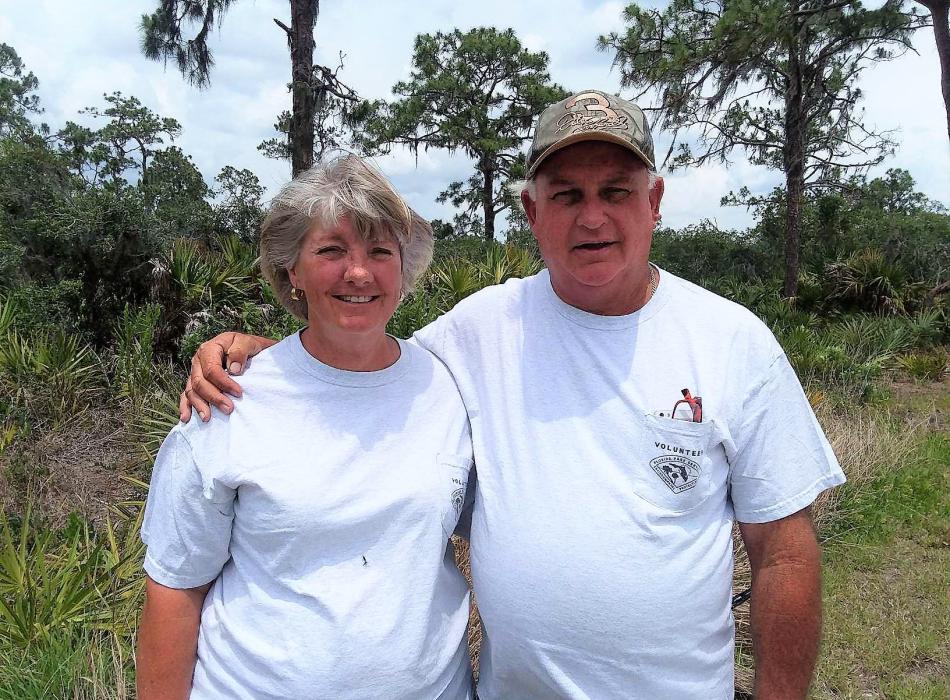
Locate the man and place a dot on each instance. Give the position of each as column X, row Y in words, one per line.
column 622, row 418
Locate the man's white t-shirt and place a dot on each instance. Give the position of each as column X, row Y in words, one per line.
column 601, row 530
column 321, row 509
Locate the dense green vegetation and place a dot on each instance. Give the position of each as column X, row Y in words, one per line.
column 117, row 258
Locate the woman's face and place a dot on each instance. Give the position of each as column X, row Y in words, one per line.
column 350, row 285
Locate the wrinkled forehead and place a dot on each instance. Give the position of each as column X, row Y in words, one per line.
column 593, row 160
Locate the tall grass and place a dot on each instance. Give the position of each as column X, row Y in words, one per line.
column 134, row 364
column 69, row 599
column 873, row 447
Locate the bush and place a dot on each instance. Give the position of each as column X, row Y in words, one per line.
column 69, row 601
column 925, row 367
column 867, row 281
column 50, row 376
column 704, row 251
column 134, row 352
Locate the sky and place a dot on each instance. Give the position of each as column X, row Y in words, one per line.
column 81, row 49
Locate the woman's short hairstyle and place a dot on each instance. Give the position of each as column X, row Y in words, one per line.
column 344, row 186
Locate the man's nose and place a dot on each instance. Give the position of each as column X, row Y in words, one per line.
column 591, row 214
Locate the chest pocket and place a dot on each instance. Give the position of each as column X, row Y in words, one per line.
column 673, row 469
column 453, row 472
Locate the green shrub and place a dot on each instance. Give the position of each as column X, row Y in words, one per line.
column 453, row 280
column 415, row 311
column 53, row 581
column 48, row 308
column 868, row 281
column 267, row 319
column 704, row 251
column 925, row 367
column 69, row 601
column 931, row 327
column 50, row 376
column 873, row 340
column 501, row 263
column 134, row 351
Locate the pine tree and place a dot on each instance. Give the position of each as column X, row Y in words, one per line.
column 478, row 92
column 940, row 17
column 774, row 77
column 310, row 86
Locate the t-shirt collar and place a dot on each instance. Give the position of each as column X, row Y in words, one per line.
column 599, row 322
column 332, row 375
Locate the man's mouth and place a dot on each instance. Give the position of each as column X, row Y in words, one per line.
column 594, row 245
column 350, row 299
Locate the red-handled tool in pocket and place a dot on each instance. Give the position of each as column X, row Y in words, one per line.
column 695, row 404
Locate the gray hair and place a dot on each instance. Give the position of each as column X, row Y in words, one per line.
column 516, row 187
column 344, row 186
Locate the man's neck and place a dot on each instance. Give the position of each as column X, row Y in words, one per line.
column 617, row 298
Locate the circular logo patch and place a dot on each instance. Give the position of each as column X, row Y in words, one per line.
column 676, row 471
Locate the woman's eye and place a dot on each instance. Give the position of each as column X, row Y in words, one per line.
column 329, row 250
column 382, row 252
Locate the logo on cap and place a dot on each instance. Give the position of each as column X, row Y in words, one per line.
column 590, row 111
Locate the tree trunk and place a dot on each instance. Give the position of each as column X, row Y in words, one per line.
column 488, row 201
column 303, row 17
column 794, row 166
column 940, row 16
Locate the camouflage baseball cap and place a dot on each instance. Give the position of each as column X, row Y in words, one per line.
column 591, row 115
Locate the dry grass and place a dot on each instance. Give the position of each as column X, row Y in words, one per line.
column 463, row 561
column 866, row 444
column 76, row 468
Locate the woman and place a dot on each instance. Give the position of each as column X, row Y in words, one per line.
column 298, row 548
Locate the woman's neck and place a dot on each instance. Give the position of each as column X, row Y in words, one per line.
column 354, row 352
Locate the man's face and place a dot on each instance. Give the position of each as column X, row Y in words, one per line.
column 593, row 218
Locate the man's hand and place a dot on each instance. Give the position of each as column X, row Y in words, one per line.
column 786, row 604
column 208, row 379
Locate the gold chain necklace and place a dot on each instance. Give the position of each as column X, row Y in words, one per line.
column 654, row 281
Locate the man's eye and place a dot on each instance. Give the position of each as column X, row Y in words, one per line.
column 566, row 196
column 615, row 194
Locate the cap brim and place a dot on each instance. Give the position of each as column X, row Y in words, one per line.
column 587, row 136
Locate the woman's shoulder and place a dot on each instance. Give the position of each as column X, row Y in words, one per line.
column 266, row 377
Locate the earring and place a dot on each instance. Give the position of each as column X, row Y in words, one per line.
column 295, row 293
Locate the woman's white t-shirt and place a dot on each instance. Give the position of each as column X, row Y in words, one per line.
column 321, row 509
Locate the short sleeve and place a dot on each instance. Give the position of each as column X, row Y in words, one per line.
column 188, row 516
column 782, row 459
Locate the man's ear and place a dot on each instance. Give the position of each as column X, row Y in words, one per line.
column 656, row 196
column 529, row 208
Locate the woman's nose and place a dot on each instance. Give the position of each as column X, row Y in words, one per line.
column 357, row 272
